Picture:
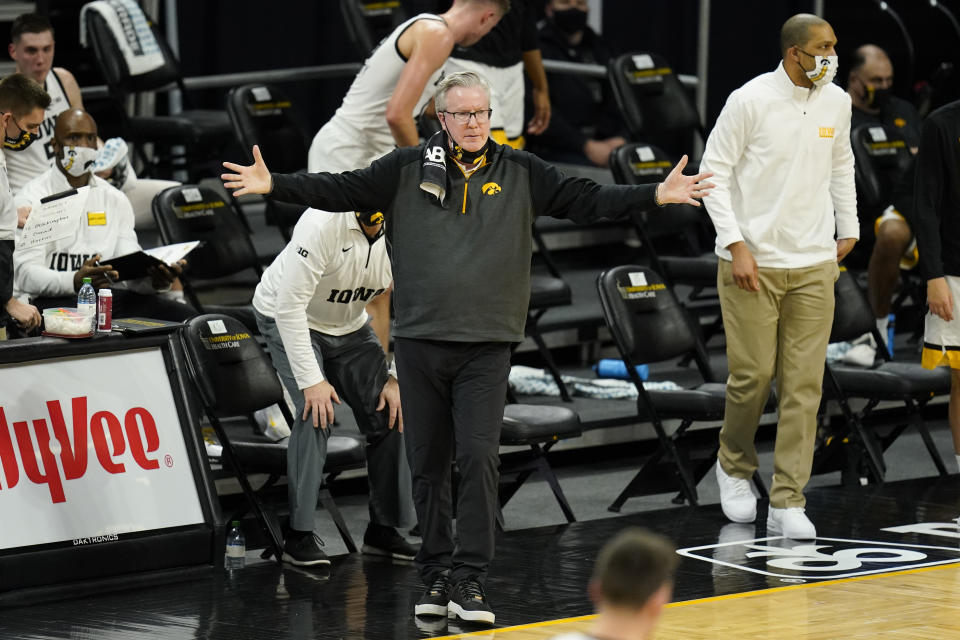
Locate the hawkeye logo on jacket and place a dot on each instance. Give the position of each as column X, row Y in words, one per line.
column 491, row 188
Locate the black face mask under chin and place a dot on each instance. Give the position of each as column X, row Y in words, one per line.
column 461, row 154
column 19, row 143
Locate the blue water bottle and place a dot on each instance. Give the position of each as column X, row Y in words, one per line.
column 610, row 368
column 891, row 321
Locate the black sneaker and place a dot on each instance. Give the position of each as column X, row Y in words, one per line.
column 434, row 600
column 467, row 602
column 379, row 540
column 304, row 550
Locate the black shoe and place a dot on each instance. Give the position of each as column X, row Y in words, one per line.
column 434, row 600
column 304, row 550
column 379, row 540
column 468, row 602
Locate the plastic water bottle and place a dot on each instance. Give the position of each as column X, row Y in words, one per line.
column 891, row 321
column 610, row 368
column 236, row 547
column 87, row 303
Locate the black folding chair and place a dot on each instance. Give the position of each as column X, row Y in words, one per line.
column 642, row 163
column 182, row 141
column 649, row 325
column 538, row 427
column 654, row 104
column 368, row 21
column 887, row 381
column 234, row 378
column 191, row 212
column 264, row 115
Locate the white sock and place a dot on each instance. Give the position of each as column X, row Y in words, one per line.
column 882, row 324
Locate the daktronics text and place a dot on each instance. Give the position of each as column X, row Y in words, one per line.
column 110, row 437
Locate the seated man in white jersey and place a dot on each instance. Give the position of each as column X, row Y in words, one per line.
column 31, row 48
column 51, row 274
column 309, row 307
column 22, row 103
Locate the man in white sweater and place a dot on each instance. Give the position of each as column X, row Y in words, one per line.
column 785, row 213
column 309, row 308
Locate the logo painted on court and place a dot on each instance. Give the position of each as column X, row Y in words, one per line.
column 820, row 559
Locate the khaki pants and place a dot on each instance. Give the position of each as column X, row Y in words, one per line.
column 781, row 333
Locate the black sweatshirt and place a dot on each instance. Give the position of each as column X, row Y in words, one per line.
column 937, row 193
column 462, row 270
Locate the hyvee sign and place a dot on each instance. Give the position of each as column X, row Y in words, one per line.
column 91, row 448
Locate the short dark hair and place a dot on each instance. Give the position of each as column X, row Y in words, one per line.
column 20, row 95
column 29, row 23
column 502, row 5
column 632, row 566
column 796, row 30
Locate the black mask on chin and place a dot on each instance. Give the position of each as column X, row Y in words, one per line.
column 570, row 20
column 461, row 154
column 19, row 143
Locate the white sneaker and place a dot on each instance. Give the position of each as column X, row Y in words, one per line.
column 736, row 497
column 791, row 523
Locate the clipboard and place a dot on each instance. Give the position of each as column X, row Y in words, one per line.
column 143, row 326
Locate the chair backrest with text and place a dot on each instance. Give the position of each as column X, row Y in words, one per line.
column 654, row 104
column 646, row 321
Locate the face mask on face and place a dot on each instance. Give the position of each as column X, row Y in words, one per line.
column 570, row 20
column 824, row 69
column 19, row 143
column 77, row 160
column 877, row 98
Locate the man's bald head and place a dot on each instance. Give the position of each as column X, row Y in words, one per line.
column 796, row 30
column 72, row 121
column 869, row 55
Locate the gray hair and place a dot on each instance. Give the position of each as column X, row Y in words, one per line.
column 465, row 79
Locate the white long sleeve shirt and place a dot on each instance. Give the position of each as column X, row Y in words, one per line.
column 105, row 227
column 783, row 170
column 322, row 280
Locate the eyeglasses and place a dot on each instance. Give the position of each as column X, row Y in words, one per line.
column 463, row 117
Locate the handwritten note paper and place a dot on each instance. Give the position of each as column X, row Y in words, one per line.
column 54, row 220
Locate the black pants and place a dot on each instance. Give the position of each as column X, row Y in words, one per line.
column 453, row 395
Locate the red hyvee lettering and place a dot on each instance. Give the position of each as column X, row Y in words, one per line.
column 106, row 432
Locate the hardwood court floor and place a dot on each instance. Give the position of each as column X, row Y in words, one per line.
column 885, row 566
column 918, row 604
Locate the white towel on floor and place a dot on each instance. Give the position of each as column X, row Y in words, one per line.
column 531, row 381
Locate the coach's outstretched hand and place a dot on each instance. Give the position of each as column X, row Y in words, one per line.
column 253, row 179
column 681, row 189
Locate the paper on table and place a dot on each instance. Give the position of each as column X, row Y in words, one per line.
column 55, row 219
column 171, row 253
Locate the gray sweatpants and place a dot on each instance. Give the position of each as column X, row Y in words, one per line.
column 356, row 367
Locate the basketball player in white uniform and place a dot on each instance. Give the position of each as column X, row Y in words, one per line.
column 32, row 49
column 395, row 85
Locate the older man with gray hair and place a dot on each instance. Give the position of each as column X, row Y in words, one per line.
column 458, row 212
